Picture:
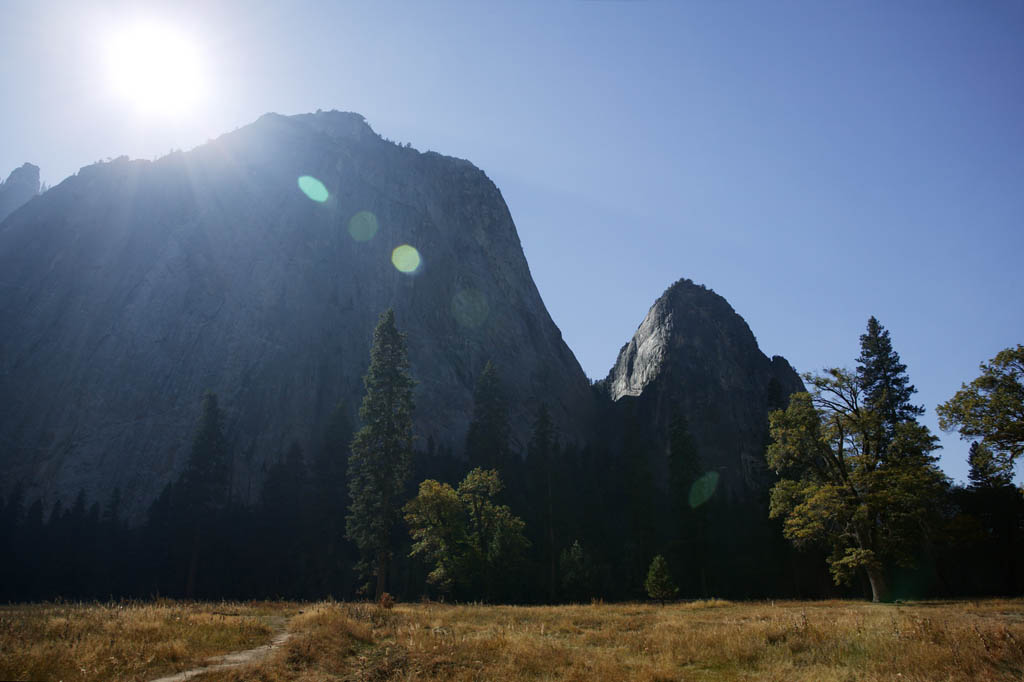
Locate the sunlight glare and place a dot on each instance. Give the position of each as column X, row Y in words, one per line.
column 155, row 68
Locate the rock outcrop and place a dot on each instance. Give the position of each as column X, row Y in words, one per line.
column 21, row 185
column 694, row 354
column 133, row 287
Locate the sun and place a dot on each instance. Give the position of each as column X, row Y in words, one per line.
column 155, row 68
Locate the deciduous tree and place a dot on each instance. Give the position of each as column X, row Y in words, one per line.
column 847, row 484
column 463, row 534
column 991, row 407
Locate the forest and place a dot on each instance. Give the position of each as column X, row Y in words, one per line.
column 856, row 506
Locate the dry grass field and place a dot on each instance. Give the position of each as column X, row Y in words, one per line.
column 715, row 640
column 127, row 641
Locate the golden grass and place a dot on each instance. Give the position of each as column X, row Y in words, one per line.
column 712, row 640
column 125, row 641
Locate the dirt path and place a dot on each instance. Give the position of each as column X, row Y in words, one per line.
column 235, row 658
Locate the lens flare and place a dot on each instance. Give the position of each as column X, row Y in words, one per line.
column 406, row 259
column 313, row 188
column 469, row 308
column 703, row 489
column 362, row 226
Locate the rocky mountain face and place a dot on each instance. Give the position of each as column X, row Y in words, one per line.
column 693, row 354
column 21, row 185
column 256, row 266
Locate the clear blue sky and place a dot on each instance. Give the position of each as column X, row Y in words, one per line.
column 815, row 162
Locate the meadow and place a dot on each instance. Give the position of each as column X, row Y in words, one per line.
column 706, row 640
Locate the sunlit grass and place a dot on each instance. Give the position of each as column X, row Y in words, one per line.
column 705, row 640
column 124, row 641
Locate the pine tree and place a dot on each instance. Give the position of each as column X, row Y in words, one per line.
column 659, row 583
column 203, row 491
column 540, row 456
column 330, row 504
column 988, row 469
column 381, row 458
column 488, row 435
column 883, row 379
column 205, row 481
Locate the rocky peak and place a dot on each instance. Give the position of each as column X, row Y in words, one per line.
column 21, row 185
column 143, row 284
column 693, row 353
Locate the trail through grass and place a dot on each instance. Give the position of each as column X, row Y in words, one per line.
column 716, row 640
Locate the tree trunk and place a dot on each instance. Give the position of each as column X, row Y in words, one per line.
column 193, row 568
column 382, row 574
column 879, row 589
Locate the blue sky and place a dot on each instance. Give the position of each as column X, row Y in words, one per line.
column 813, row 162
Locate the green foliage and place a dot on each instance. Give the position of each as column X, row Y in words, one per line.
column 659, row 583
column 463, row 534
column 381, row 452
column 204, row 484
column 849, row 485
column 577, row 573
column 488, row 434
column 991, row 407
column 883, row 378
column 988, row 469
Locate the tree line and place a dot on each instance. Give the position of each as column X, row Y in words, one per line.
column 858, row 506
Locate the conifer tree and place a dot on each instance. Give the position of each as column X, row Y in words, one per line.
column 203, row 491
column 659, row 583
column 381, row 458
column 883, row 379
column 487, row 439
column 987, row 469
column 540, row 463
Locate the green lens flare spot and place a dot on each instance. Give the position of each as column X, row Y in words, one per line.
column 703, row 488
column 363, row 226
column 469, row 308
column 406, row 259
column 313, row 188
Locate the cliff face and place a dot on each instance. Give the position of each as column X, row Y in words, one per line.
column 135, row 286
column 21, row 185
column 694, row 354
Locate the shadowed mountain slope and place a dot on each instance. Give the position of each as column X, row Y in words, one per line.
column 133, row 287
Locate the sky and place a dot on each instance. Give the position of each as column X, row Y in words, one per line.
column 815, row 163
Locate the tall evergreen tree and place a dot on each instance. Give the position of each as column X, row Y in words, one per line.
column 988, row 469
column 883, row 379
column 540, row 456
column 203, row 492
column 487, row 440
column 330, row 504
column 381, row 458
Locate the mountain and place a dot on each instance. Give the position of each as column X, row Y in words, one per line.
column 693, row 354
column 256, row 266
column 21, row 185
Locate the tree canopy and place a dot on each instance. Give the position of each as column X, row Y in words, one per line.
column 463, row 534
column 991, row 407
column 846, row 485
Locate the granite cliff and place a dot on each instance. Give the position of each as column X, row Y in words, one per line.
column 693, row 354
column 132, row 287
column 21, row 185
